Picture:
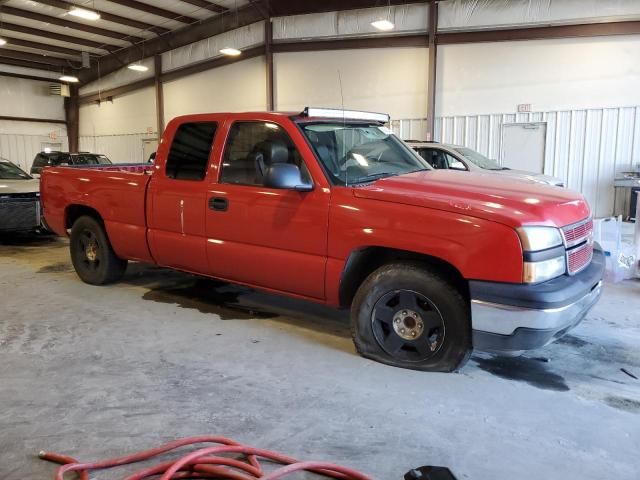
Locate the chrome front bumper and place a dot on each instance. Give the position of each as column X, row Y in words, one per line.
column 515, row 317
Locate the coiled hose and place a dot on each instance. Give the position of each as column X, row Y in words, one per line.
column 205, row 463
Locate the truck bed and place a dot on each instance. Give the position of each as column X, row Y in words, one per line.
column 117, row 191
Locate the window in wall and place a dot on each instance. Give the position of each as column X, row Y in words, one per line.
column 252, row 147
column 189, row 154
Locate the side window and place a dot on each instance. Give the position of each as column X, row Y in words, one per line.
column 252, row 147
column 453, row 163
column 189, row 154
column 436, row 158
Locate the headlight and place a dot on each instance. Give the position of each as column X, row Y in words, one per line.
column 539, row 238
column 536, row 272
column 537, row 242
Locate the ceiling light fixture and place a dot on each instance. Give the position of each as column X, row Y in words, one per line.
column 2, row 41
column 68, row 78
column 138, row 67
column 383, row 25
column 84, row 13
column 231, row 52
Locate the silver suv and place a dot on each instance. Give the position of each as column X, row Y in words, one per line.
column 453, row 157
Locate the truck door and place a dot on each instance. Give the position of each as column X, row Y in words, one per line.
column 178, row 199
column 267, row 237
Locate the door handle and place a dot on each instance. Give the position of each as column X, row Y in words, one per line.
column 218, row 204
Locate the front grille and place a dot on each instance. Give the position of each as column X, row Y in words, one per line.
column 578, row 239
column 19, row 213
column 578, row 232
column 579, row 258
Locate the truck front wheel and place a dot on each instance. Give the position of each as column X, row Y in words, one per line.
column 406, row 316
column 93, row 258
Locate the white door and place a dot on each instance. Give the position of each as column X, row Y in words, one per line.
column 149, row 146
column 523, row 146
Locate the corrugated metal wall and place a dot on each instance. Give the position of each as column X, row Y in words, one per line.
column 119, row 148
column 586, row 147
column 22, row 149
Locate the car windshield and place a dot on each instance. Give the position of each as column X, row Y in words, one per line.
column 360, row 153
column 478, row 159
column 90, row 159
column 9, row 171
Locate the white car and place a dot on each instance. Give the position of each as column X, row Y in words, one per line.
column 19, row 199
column 443, row 156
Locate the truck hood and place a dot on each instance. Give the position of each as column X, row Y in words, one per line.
column 536, row 177
column 8, row 187
column 491, row 197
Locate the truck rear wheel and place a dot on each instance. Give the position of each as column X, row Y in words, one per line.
column 91, row 254
column 406, row 316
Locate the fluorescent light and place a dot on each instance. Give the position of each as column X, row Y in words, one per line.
column 138, row 67
column 384, row 25
column 2, row 42
column 232, row 52
column 68, row 78
column 84, row 13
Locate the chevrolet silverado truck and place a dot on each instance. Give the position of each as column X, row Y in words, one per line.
column 331, row 207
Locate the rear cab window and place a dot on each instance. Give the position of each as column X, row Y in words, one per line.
column 188, row 157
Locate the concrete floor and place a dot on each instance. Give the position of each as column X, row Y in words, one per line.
column 101, row 371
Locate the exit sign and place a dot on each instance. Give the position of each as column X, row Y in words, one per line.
column 524, row 107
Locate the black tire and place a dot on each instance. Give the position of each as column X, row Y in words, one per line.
column 407, row 316
column 92, row 255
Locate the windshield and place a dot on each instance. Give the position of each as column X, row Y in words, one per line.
column 9, row 171
column 478, row 159
column 360, row 153
column 90, row 159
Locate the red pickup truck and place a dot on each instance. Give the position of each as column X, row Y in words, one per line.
column 331, row 207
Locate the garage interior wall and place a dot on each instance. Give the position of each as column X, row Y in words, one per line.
column 117, row 128
column 21, row 141
column 584, row 89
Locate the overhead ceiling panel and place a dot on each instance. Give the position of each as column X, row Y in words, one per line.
column 38, row 51
column 134, row 14
column 9, row 34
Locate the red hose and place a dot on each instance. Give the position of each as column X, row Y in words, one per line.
column 205, row 463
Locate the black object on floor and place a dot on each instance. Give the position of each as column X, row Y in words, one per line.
column 429, row 473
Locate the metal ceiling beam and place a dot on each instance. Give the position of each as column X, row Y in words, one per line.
column 31, row 119
column 207, row 28
column 34, row 57
column 542, row 33
column 417, row 40
column 26, row 77
column 40, row 46
column 26, row 64
column 17, row 12
column 213, row 7
column 109, row 17
column 160, row 12
column 57, row 36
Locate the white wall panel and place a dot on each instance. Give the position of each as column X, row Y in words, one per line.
column 391, row 80
column 118, row 148
column 468, row 14
column 126, row 114
column 29, row 98
column 562, row 74
column 208, row 48
column 119, row 78
column 234, row 88
column 407, row 18
column 21, row 141
column 586, row 148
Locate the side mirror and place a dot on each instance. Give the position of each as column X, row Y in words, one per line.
column 286, row 176
column 457, row 166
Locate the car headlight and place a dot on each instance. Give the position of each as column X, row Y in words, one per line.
column 539, row 238
column 544, row 253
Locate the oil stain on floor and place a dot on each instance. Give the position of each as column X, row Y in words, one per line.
column 209, row 296
column 622, row 403
column 523, row 369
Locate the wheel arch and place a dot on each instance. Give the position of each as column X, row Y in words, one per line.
column 75, row 211
column 363, row 261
